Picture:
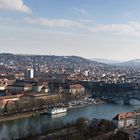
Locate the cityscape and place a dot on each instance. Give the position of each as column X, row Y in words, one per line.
column 69, row 70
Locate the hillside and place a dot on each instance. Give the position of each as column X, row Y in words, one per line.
column 131, row 64
column 50, row 61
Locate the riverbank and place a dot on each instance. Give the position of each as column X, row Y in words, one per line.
column 19, row 116
column 82, row 128
column 84, row 105
column 32, row 114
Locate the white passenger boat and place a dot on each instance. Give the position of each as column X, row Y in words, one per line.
column 54, row 111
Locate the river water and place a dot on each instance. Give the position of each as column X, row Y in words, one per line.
column 38, row 124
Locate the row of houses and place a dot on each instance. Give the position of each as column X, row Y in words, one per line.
column 39, row 86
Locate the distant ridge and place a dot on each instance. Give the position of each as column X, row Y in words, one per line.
column 132, row 63
column 106, row 61
column 72, row 62
column 16, row 54
column 20, row 58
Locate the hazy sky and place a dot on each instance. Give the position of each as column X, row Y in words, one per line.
column 88, row 28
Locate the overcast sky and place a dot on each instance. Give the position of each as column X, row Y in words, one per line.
column 88, row 28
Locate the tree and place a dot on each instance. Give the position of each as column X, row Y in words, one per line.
column 80, row 123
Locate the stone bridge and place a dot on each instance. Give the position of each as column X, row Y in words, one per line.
column 112, row 92
column 126, row 97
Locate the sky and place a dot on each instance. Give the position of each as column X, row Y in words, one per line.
column 88, row 28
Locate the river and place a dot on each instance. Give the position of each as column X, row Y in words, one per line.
column 37, row 124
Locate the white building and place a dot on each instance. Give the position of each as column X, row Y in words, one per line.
column 134, row 133
column 86, row 73
column 30, row 73
column 124, row 120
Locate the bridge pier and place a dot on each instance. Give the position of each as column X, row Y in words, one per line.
column 126, row 100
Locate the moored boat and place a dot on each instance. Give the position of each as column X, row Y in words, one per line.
column 54, row 111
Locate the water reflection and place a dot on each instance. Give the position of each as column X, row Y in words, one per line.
column 59, row 115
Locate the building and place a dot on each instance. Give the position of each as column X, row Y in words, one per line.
column 138, row 116
column 123, row 120
column 21, row 86
column 126, row 120
column 19, row 75
column 3, row 84
column 28, row 98
column 7, row 103
column 76, row 88
column 30, row 73
column 133, row 133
